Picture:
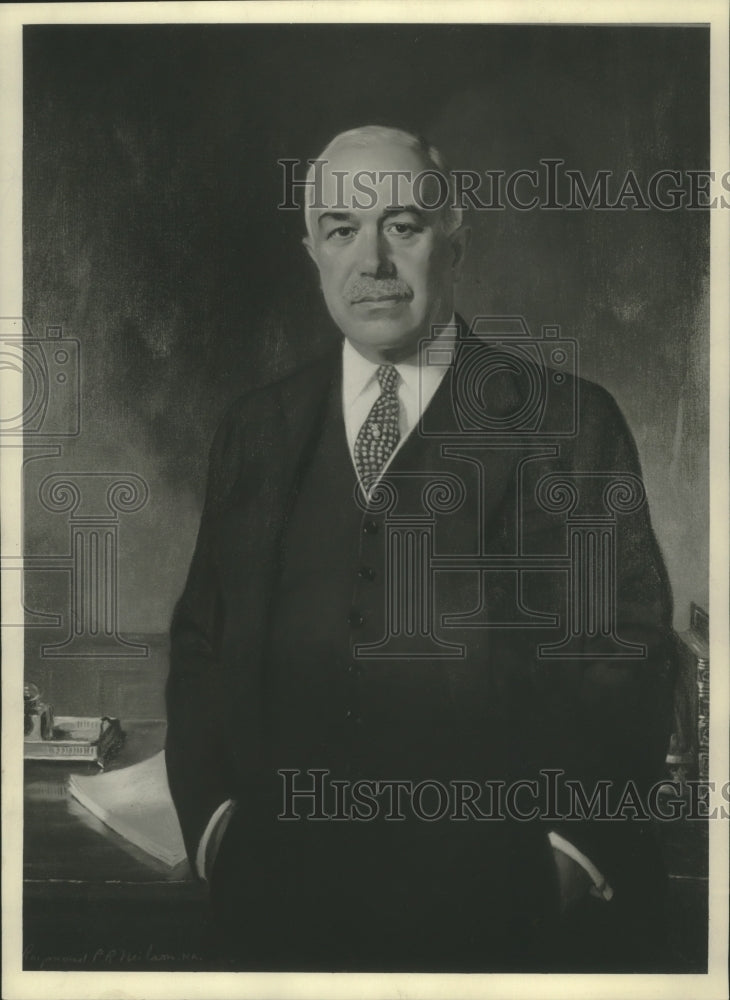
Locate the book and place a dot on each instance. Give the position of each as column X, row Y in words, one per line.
column 77, row 738
column 689, row 748
column 700, row 623
column 135, row 802
column 59, row 749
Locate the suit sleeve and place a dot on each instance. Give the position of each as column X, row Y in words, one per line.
column 607, row 719
column 198, row 765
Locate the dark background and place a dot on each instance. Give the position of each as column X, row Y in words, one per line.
column 153, row 237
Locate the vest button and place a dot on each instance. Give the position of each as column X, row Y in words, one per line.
column 366, row 573
column 355, row 619
column 370, row 527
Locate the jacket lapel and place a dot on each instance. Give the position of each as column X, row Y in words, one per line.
column 444, row 439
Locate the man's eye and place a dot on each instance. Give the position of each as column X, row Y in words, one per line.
column 404, row 229
column 341, row 233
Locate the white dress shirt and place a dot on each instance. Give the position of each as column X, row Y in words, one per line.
column 416, row 388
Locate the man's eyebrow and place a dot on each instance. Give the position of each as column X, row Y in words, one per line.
column 405, row 209
column 390, row 211
column 335, row 217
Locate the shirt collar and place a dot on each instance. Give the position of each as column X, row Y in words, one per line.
column 358, row 373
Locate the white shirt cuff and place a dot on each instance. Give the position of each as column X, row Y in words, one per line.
column 600, row 888
column 207, row 834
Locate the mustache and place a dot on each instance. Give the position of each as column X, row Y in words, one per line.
column 364, row 289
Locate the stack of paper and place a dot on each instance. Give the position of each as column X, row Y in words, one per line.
column 135, row 802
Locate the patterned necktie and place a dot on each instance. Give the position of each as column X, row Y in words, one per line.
column 379, row 435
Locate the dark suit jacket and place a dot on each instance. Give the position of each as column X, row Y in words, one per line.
column 597, row 717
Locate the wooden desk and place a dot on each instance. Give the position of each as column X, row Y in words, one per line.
column 92, row 901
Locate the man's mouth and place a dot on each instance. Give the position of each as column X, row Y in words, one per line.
column 379, row 298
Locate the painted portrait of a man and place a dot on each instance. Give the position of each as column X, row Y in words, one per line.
column 366, row 500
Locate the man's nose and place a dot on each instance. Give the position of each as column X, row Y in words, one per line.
column 375, row 260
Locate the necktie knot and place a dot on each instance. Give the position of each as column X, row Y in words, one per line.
column 387, row 377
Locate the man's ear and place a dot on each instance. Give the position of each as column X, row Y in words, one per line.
column 307, row 241
column 460, row 240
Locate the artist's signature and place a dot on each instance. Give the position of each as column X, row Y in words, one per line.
column 107, row 956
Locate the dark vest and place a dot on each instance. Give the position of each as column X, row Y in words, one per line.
column 362, row 678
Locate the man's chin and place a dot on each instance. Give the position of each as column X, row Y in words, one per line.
column 382, row 324
column 383, row 336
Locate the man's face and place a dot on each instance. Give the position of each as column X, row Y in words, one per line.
column 387, row 268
